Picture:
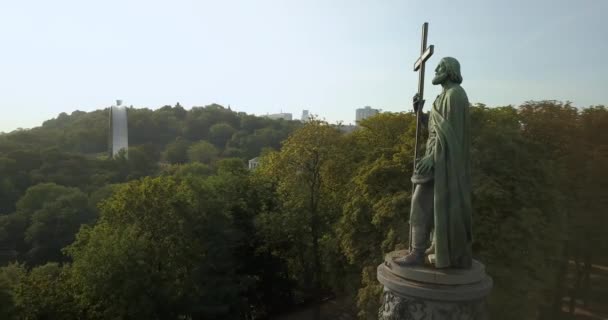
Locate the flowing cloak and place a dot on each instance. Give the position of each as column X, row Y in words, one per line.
column 449, row 141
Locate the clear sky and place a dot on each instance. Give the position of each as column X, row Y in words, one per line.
column 263, row 56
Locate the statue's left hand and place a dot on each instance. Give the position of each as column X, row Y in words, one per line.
column 425, row 165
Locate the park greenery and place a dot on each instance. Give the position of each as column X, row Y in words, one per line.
column 181, row 229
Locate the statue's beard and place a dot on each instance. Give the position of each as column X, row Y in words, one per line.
column 440, row 78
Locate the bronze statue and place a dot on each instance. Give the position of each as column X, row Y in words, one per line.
column 441, row 202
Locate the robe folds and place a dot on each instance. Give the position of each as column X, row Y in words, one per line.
column 449, row 144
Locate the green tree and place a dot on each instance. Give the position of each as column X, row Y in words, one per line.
column 99, row 195
column 194, row 169
column 220, row 133
column 8, row 190
column 12, row 243
column 203, row 152
column 518, row 222
column 176, row 152
column 376, row 204
column 55, row 225
column 159, row 251
column 142, row 161
column 67, row 169
column 42, row 293
column 10, row 276
column 47, row 219
column 301, row 228
column 574, row 143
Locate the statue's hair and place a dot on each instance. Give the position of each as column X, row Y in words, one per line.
column 452, row 67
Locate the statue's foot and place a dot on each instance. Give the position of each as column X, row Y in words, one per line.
column 414, row 258
column 430, row 250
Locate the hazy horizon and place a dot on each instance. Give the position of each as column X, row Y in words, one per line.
column 272, row 56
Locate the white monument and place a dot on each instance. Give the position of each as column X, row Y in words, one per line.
column 119, row 137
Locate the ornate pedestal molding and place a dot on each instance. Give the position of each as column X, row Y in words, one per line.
column 426, row 293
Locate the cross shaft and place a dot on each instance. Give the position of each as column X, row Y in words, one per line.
column 425, row 54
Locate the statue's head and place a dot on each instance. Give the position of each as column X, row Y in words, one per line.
column 448, row 70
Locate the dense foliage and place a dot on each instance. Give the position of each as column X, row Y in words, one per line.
column 180, row 229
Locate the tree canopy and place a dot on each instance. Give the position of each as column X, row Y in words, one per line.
column 179, row 228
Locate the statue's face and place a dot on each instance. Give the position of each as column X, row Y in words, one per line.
column 441, row 75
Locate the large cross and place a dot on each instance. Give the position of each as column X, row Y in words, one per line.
column 425, row 54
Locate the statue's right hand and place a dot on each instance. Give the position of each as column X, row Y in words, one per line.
column 425, row 165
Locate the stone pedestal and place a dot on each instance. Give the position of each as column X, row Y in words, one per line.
column 417, row 293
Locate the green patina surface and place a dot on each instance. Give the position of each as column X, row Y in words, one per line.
column 447, row 158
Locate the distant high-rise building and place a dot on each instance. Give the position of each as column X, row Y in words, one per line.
column 305, row 116
column 276, row 116
column 363, row 113
column 119, row 137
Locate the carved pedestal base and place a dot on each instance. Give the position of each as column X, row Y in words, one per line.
column 425, row 293
column 396, row 307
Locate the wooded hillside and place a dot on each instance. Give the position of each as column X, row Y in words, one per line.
column 181, row 229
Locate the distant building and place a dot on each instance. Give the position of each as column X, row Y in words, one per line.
column 119, row 136
column 305, row 116
column 276, row 116
column 364, row 113
column 253, row 163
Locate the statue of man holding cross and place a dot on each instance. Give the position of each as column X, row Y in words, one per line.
column 440, row 213
column 441, row 202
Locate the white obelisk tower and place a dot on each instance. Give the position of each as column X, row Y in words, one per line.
column 119, row 138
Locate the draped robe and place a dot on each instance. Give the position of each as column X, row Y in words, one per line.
column 448, row 144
